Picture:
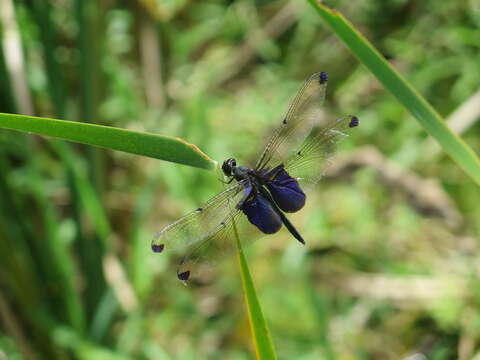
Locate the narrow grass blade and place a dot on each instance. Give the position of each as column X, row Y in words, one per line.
column 261, row 336
column 58, row 261
column 402, row 90
column 156, row 146
column 90, row 44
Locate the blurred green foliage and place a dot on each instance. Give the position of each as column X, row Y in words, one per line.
column 391, row 266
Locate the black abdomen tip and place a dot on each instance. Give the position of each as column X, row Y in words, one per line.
column 323, row 77
column 184, row 275
column 353, row 122
column 158, row 248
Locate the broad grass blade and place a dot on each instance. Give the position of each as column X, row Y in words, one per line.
column 414, row 102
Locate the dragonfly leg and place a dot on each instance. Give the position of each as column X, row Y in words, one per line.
column 226, row 182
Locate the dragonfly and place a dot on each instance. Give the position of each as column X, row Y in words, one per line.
column 293, row 160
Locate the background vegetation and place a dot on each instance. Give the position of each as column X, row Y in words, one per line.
column 391, row 269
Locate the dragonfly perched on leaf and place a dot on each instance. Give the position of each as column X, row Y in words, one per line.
column 294, row 159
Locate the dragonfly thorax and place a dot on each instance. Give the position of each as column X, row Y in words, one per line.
column 230, row 169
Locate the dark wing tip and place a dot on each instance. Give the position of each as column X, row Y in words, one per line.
column 158, row 248
column 323, row 77
column 353, row 121
column 184, row 275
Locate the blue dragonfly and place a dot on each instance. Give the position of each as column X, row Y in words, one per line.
column 293, row 160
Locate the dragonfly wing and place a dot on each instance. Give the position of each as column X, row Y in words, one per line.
column 308, row 164
column 301, row 117
column 208, row 249
column 218, row 245
column 195, row 226
column 206, row 235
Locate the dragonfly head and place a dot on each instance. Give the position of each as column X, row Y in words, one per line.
column 228, row 166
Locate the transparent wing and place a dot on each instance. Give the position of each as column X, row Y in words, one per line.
column 199, row 223
column 218, row 245
column 301, row 117
column 312, row 158
column 205, row 235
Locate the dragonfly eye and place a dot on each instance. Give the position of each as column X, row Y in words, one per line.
column 228, row 165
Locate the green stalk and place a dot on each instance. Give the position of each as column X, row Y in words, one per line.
column 41, row 11
column 261, row 336
column 402, row 90
column 89, row 43
column 7, row 101
column 135, row 142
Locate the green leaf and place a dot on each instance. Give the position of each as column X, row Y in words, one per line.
column 142, row 143
column 402, row 90
column 261, row 336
